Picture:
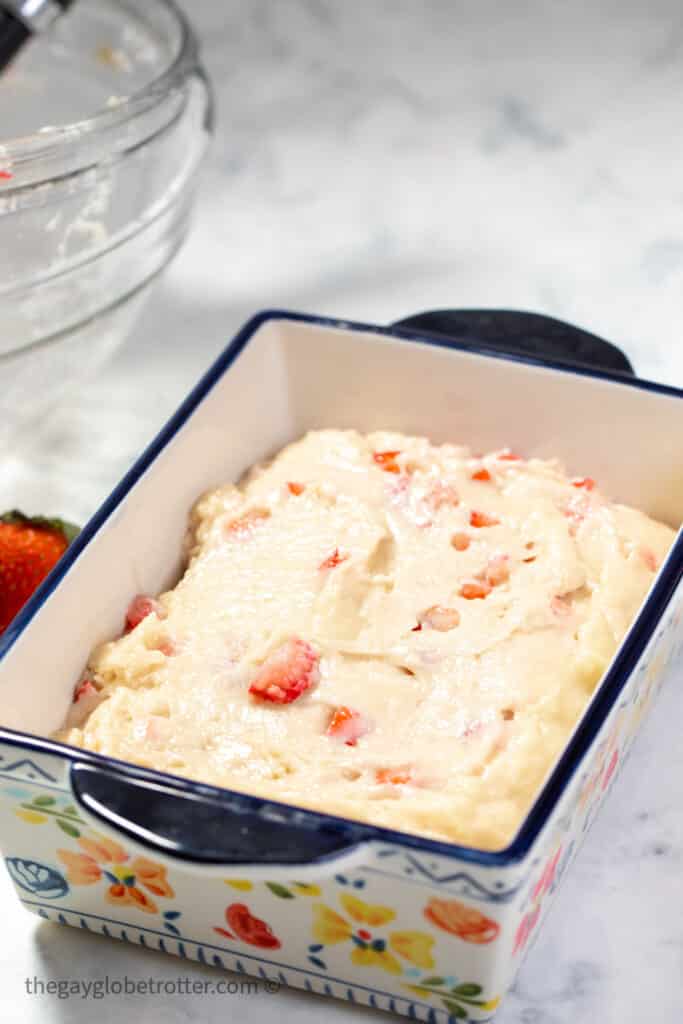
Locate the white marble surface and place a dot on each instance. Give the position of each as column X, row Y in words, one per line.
column 372, row 160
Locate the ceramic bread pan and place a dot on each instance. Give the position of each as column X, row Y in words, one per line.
column 427, row 928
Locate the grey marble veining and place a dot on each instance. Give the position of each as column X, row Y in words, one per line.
column 372, row 160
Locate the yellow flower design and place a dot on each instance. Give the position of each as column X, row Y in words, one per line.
column 365, row 913
column 306, row 890
column 371, row 950
column 413, row 946
column 31, row 817
column 329, row 927
column 366, row 956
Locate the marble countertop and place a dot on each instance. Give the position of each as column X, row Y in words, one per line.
column 373, row 160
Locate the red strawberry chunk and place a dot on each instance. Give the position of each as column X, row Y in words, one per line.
column 460, row 541
column 508, row 455
column 333, row 560
column 139, row 608
column 443, row 494
column 474, row 589
column 472, row 728
column 498, row 570
column 157, row 728
column 398, row 776
column 481, row 474
column 440, row 618
column 479, row 519
column 649, row 557
column 347, row 725
column 387, row 461
column 244, row 524
column 560, row 606
column 586, row 482
column 287, row 673
column 84, row 689
column 294, row 488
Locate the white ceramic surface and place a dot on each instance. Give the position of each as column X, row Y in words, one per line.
column 371, row 163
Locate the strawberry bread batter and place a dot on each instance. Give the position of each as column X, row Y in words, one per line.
column 378, row 628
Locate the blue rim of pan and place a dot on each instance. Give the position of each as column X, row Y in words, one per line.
column 355, row 833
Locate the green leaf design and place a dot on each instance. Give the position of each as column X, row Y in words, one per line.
column 455, row 1009
column 433, row 982
column 67, row 827
column 70, row 809
column 469, row 989
column 280, row 890
column 43, row 801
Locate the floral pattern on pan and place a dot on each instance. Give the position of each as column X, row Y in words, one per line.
column 129, row 881
column 363, row 926
column 418, row 896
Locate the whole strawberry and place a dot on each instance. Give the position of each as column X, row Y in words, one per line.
column 29, row 548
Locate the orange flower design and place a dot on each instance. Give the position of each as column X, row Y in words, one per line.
column 465, row 922
column 103, row 858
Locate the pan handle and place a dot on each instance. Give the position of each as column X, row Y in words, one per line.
column 530, row 335
column 191, row 822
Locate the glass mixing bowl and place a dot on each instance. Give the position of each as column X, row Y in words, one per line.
column 91, row 208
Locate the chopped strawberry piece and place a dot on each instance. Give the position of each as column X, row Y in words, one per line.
column 156, row 729
column 508, row 456
column 498, row 570
column 287, row 673
column 244, row 524
column 294, row 488
column 396, row 776
column 347, row 725
column 460, row 541
column 443, row 494
column 398, row 491
column 84, row 689
column 167, row 647
column 481, row 474
column 387, row 461
column 480, row 519
column 440, row 618
column 560, row 606
column 139, row 608
column 333, row 560
column 587, row 482
column 649, row 557
column 473, row 589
